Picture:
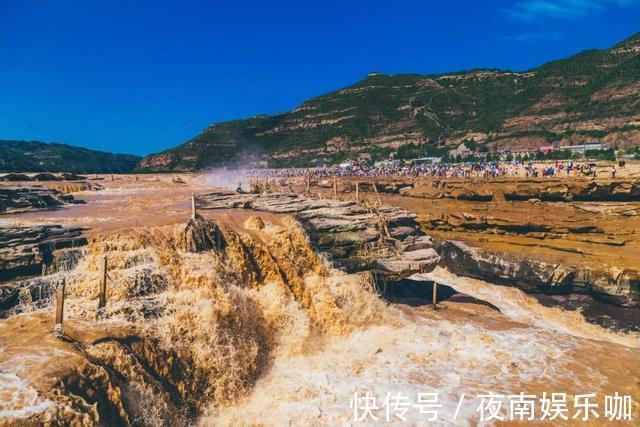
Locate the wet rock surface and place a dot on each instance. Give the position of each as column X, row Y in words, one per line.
column 594, row 291
column 198, row 311
column 386, row 240
column 24, row 250
column 42, row 176
column 570, row 241
column 27, row 295
column 14, row 198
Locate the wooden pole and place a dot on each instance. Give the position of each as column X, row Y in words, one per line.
column 44, row 271
column 102, row 298
column 335, row 187
column 58, row 330
column 375, row 188
column 358, row 191
column 308, row 184
column 193, row 206
column 266, row 184
column 435, row 294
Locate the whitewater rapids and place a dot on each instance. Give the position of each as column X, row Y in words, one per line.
column 530, row 348
column 263, row 332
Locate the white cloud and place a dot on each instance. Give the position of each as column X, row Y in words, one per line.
column 533, row 10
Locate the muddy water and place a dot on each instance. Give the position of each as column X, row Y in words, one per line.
column 460, row 350
column 124, row 203
column 294, row 353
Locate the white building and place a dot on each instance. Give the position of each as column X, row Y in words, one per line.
column 581, row 148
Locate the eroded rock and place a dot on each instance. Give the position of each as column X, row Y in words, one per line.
column 547, row 189
column 30, row 198
column 23, row 250
column 537, row 276
column 386, row 240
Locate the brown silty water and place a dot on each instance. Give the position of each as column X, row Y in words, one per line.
column 240, row 322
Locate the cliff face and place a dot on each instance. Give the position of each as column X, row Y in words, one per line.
column 594, row 95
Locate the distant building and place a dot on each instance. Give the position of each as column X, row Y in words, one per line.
column 581, row 148
column 426, row 160
column 555, row 147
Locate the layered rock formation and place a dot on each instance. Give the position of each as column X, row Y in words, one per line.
column 25, row 249
column 386, row 240
column 30, row 251
column 22, row 198
column 42, row 176
column 620, row 288
column 552, row 189
column 591, row 96
column 572, row 242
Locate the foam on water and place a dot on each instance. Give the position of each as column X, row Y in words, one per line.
column 521, row 307
column 416, row 356
column 535, row 349
column 272, row 336
column 17, row 399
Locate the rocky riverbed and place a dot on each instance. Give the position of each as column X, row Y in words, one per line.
column 572, row 242
column 385, row 240
column 20, row 198
column 269, row 301
column 29, row 252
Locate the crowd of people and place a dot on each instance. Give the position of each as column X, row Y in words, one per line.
column 480, row 169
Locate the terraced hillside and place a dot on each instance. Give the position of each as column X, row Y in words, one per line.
column 592, row 96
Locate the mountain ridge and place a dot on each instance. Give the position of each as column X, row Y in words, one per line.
column 593, row 95
column 38, row 156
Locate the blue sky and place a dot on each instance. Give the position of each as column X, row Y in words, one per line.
column 140, row 76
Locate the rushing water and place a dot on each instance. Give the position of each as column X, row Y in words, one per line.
column 271, row 336
column 454, row 352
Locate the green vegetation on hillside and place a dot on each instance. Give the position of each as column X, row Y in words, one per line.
column 34, row 156
column 590, row 96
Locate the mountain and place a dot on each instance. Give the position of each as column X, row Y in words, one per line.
column 592, row 96
column 35, row 156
